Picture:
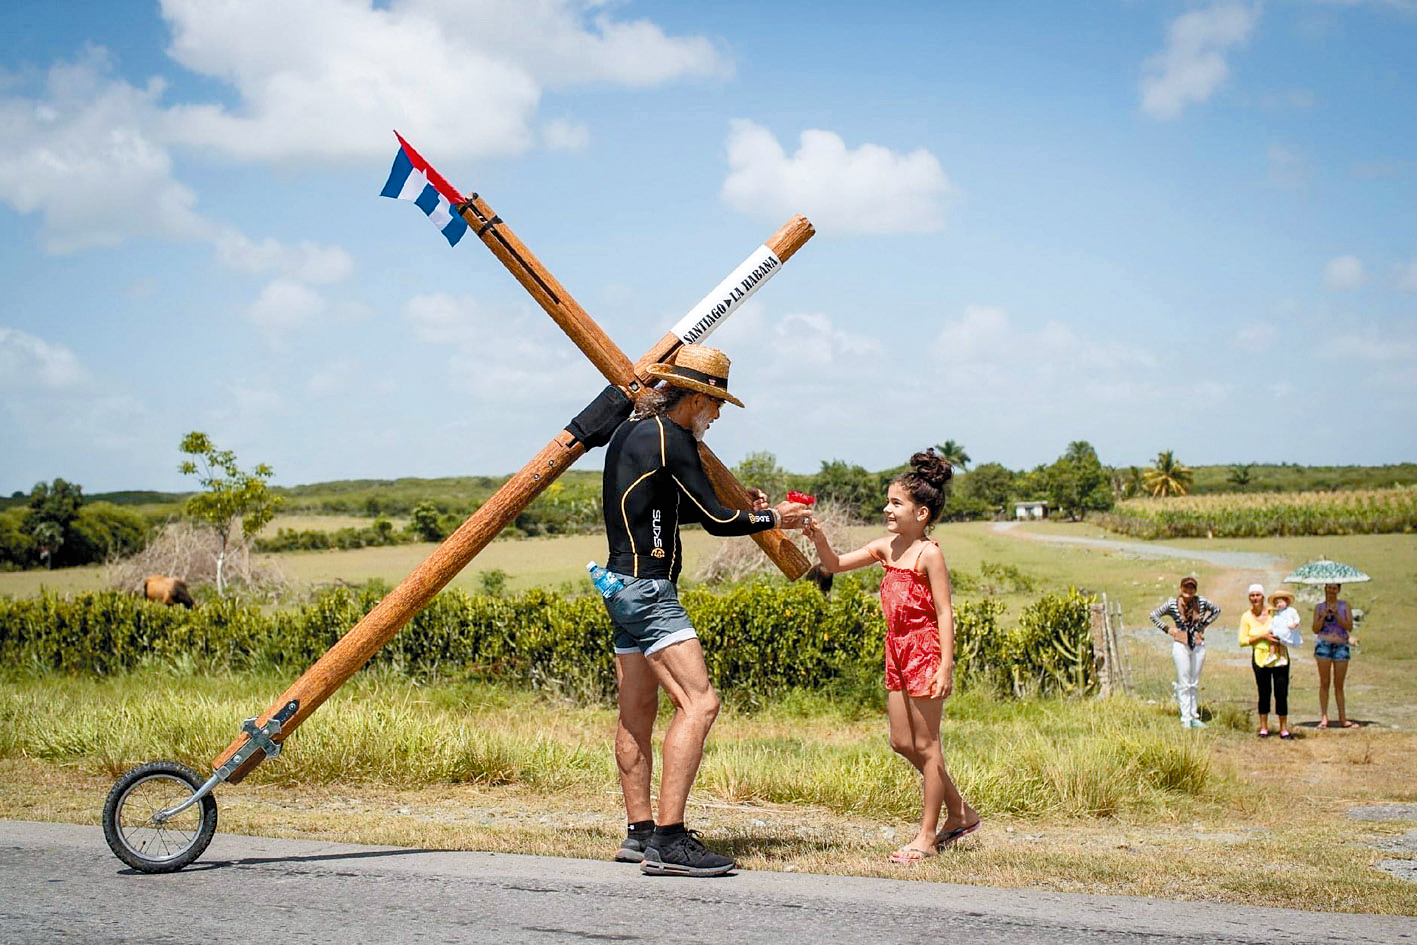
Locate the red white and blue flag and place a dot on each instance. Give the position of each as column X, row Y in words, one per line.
column 413, row 179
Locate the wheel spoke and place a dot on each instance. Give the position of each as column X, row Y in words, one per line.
column 158, row 841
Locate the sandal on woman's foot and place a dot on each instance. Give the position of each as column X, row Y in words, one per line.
column 1348, row 723
column 946, row 838
column 1264, row 733
column 909, row 855
column 1285, row 733
column 1323, row 724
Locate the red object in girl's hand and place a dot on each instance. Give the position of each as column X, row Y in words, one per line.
column 802, row 497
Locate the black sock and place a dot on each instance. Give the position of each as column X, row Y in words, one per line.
column 669, row 830
column 642, row 826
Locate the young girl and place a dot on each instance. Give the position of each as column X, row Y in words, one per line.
column 915, row 595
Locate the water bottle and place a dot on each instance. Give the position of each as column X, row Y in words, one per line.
column 605, row 582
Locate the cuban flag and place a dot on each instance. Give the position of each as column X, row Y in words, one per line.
column 411, row 178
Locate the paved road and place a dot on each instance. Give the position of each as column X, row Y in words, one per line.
column 59, row 884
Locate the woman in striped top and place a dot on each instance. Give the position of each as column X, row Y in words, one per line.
column 1192, row 614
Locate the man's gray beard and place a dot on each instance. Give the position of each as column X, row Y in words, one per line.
column 701, row 425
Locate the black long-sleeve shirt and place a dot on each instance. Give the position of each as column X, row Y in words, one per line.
column 654, row 480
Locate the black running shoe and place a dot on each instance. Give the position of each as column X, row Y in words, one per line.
column 632, row 848
column 683, row 854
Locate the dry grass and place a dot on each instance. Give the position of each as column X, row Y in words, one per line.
column 1269, row 854
column 803, row 785
column 189, row 552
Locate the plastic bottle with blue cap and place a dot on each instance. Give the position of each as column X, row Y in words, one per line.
column 605, row 581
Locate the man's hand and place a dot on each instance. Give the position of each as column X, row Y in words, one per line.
column 792, row 514
column 760, row 499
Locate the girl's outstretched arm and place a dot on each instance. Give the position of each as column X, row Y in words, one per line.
column 937, row 573
column 833, row 563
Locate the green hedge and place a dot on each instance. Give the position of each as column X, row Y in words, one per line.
column 759, row 637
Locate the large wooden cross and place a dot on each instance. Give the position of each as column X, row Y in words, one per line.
column 262, row 736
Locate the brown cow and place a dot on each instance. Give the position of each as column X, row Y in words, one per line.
column 167, row 590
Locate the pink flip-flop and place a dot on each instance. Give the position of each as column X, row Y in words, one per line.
column 947, row 838
column 910, row 856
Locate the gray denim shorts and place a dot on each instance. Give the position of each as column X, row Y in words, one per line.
column 647, row 615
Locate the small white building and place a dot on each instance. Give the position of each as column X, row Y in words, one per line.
column 1027, row 510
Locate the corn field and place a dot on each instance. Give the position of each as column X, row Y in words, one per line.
column 1355, row 512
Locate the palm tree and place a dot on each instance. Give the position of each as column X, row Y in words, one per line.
column 1240, row 477
column 1167, row 476
column 954, row 454
column 1128, row 483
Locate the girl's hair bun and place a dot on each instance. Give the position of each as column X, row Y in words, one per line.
column 929, row 474
column 932, row 467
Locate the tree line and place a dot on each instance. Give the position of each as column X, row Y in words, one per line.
column 57, row 526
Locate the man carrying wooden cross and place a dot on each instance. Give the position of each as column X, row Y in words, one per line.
column 654, row 479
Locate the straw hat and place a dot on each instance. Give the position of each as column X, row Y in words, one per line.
column 699, row 369
column 1281, row 594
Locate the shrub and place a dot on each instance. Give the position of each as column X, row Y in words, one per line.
column 760, row 638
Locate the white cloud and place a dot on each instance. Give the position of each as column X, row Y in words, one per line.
column 1257, row 336
column 1406, row 275
column 796, row 348
column 1408, row 5
column 283, row 307
column 307, row 262
column 327, row 79
column 1370, row 346
column 335, row 378
column 570, row 42
column 1287, row 168
column 985, row 357
column 561, row 134
column 28, row 363
column 92, row 154
column 1193, row 64
column 55, row 401
column 88, row 158
column 495, row 353
column 869, row 189
column 1343, row 272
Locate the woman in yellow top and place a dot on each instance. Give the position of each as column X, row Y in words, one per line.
column 1270, row 660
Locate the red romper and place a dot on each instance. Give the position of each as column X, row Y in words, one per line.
column 912, row 631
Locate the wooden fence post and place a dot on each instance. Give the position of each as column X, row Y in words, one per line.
column 1101, row 652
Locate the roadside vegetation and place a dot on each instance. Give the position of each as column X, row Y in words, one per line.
column 56, row 525
column 1349, row 512
column 486, row 723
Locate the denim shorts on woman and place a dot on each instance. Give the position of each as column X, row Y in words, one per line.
column 1330, row 651
column 647, row 615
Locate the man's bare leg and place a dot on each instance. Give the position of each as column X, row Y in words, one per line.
column 634, row 754
column 681, row 670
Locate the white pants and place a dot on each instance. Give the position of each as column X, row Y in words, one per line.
column 1188, row 676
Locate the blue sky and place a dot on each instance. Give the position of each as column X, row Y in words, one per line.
column 1149, row 225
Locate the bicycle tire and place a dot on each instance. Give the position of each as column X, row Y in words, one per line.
column 158, row 847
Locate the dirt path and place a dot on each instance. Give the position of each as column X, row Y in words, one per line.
column 1238, row 560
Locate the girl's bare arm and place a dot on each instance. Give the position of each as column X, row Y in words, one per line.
column 833, row 563
column 937, row 573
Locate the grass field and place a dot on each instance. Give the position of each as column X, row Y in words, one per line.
column 1104, row 797
column 810, row 785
